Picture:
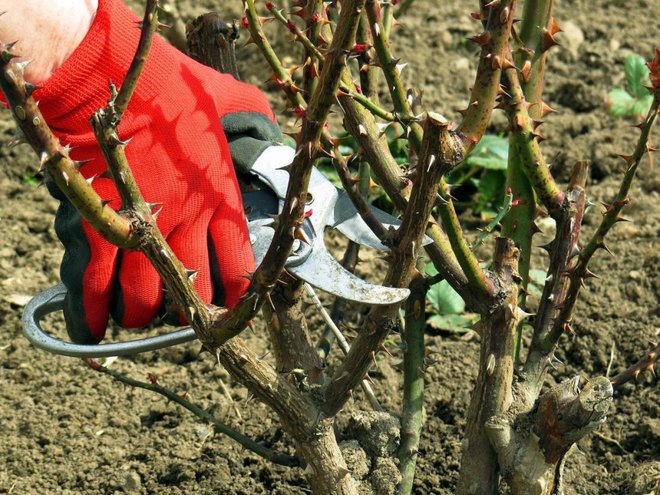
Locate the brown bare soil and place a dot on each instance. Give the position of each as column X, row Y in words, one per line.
column 67, row 430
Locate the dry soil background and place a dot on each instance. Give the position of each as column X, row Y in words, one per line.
column 64, row 429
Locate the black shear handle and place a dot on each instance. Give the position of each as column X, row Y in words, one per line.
column 52, row 300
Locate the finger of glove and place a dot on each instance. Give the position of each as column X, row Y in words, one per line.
column 189, row 245
column 232, row 262
column 87, row 271
column 138, row 291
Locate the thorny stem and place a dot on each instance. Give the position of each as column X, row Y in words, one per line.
column 153, row 386
column 413, row 382
column 468, row 262
column 314, row 20
column 363, row 127
column 525, row 142
column 611, row 216
column 346, row 85
column 519, row 223
column 477, row 278
column 359, row 200
column 280, row 75
column 298, row 414
column 55, row 159
column 392, row 74
column 148, row 28
column 647, row 363
column 309, row 138
column 494, row 42
column 104, row 123
column 441, row 152
column 562, row 251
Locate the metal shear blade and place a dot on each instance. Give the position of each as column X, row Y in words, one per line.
column 327, row 207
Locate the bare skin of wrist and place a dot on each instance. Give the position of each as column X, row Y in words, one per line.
column 47, row 31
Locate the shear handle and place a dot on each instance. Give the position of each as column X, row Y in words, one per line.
column 52, row 300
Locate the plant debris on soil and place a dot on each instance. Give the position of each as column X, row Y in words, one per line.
column 68, row 430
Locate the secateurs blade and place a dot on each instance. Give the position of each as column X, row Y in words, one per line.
column 326, row 206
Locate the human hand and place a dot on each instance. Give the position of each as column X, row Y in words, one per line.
column 180, row 158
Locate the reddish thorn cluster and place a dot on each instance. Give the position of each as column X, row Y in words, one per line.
column 515, row 202
column 291, row 26
column 315, row 18
column 359, row 48
column 269, row 5
column 654, row 69
column 300, row 112
column 245, row 23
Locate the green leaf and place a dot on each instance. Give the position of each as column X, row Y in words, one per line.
column 637, row 75
column 443, row 298
column 30, row 180
column 620, row 102
column 492, row 152
column 490, row 188
column 537, row 276
column 641, row 106
column 536, row 281
column 452, row 323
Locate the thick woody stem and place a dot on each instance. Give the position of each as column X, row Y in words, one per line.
column 413, row 383
column 532, row 443
column 211, row 41
column 492, row 394
column 519, row 223
column 524, row 142
column 563, row 250
column 441, row 151
column 219, row 426
column 291, row 343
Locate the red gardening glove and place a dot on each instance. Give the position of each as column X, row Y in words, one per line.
column 180, row 157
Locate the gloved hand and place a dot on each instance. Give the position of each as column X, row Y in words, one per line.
column 180, row 157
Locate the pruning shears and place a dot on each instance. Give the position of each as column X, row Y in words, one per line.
column 310, row 260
